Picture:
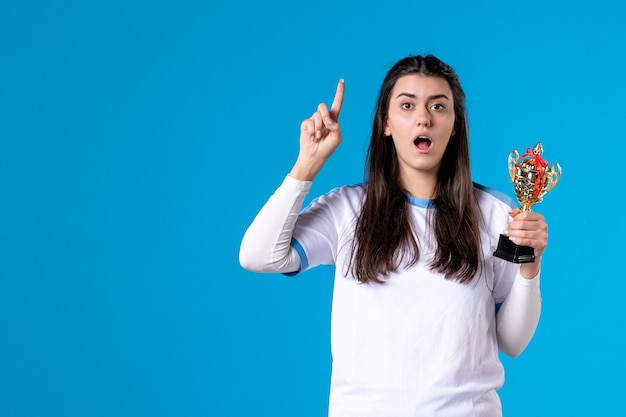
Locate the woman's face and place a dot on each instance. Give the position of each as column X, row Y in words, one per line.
column 420, row 121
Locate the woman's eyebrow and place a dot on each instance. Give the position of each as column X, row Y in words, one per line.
column 433, row 97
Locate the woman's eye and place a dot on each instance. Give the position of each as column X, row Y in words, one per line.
column 407, row 106
column 438, row 106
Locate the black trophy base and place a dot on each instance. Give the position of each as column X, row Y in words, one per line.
column 511, row 252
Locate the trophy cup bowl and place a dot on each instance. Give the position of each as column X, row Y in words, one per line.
column 532, row 180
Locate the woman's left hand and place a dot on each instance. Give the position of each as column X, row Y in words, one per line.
column 529, row 228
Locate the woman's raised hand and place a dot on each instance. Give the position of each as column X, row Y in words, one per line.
column 320, row 135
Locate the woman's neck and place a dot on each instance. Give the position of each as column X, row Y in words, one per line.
column 420, row 185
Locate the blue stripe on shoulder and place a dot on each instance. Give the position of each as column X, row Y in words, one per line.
column 497, row 194
column 304, row 261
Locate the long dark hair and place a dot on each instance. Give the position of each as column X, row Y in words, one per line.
column 384, row 237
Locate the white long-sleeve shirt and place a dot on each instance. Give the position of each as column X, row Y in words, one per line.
column 419, row 344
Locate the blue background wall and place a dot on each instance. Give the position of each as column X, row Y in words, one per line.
column 139, row 138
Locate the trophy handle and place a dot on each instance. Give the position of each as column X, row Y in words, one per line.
column 513, row 157
column 553, row 176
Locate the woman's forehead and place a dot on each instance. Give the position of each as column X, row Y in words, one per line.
column 419, row 84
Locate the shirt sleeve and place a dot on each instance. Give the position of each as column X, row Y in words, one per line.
column 518, row 315
column 265, row 246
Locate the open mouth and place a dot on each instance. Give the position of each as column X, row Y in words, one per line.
column 422, row 143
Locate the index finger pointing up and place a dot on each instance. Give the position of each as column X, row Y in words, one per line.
column 337, row 101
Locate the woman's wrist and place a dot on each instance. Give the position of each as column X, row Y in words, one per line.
column 304, row 171
column 531, row 270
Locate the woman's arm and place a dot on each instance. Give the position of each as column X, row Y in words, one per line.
column 266, row 244
column 518, row 316
column 517, row 319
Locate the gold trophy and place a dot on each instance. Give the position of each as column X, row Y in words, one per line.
column 532, row 180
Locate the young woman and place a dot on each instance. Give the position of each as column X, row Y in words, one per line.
column 420, row 304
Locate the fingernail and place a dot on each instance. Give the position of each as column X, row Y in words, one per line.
column 328, row 122
column 514, row 240
column 318, row 134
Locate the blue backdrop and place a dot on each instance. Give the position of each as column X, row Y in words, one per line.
column 138, row 139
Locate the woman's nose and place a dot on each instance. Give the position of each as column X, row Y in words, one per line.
column 423, row 117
